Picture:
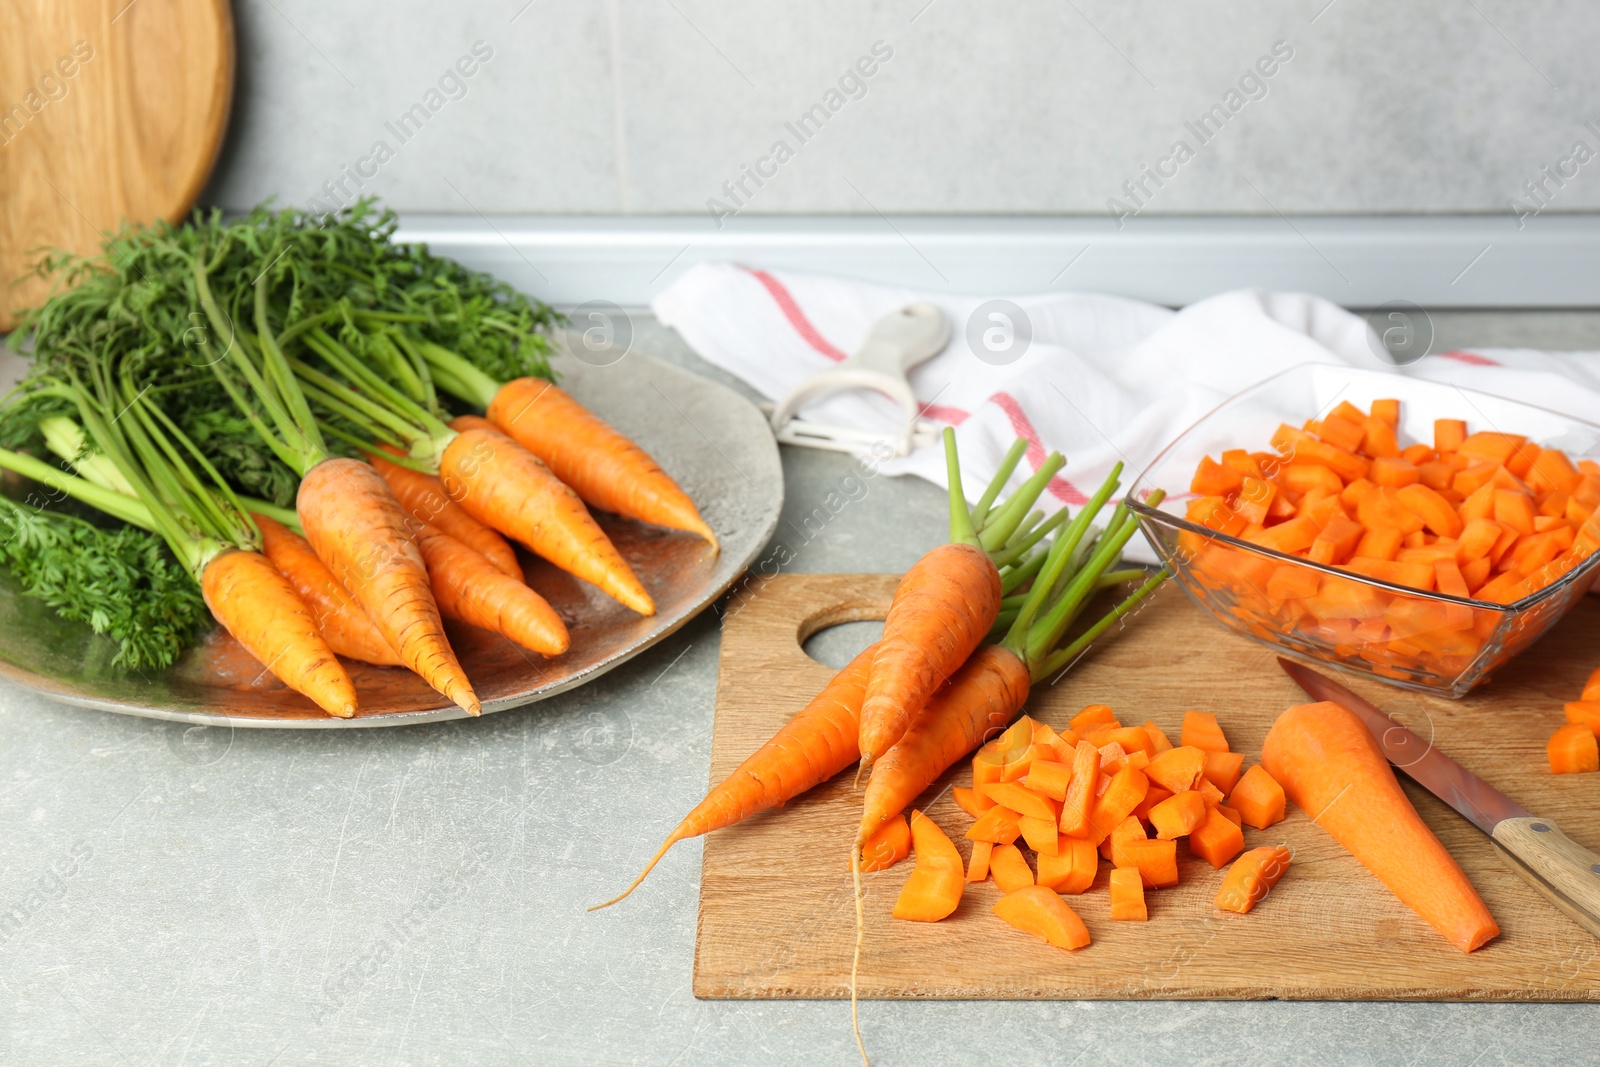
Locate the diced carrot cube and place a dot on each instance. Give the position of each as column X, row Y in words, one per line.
column 978, row 865
column 1291, row 537
column 971, row 801
column 1209, row 792
column 999, row 825
column 1434, row 510
column 1158, row 739
column 1414, row 575
column 1473, row 477
column 1341, row 432
column 1437, row 475
column 1127, row 896
column 1232, row 814
column 1291, row 582
column 1448, row 434
column 1072, row 868
column 1309, row 477
column 1252, row 877
column 1379, row 440
column 1040, row 834
column 1476, row 573
column 1393, row 471
column 1153, row 796
column 1418, row 454
column 1200, row 730
column 1531, row 553
column 1048, row 778
column 1009, row 868
column 1178, row 815
column 888, row 845
column 1240, row 460
column 1255, row 496
column 1573, row 750
column 1216, row 840
column 1258, row 798
column 1129, row 829
column 1506, row 588
column 1585, row 712
column 1041, row 912
column 1386, row 410
column 1478, row 538
column 1340, row 536
column 1178, row 769
column 1021, row 800
column 1522, row 459
column 1350, row 496
column 1112, row 758
column 1490, row 446
column 1213, row 479
column 1447, row 579
column 1127, row 788
column 1553, row 469
column 1222, row 769
column 1213, row 513
column 1381, row 508
column 1514, row 509
column 1093, row 715
column 1157, row 861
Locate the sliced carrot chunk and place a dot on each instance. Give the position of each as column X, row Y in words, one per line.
column 1041, row 912
column 1073, row 867
column 1093, row 715
column 1127, row 789
column 1217, row 840
column 1156, row 860
column 1040, row 834
column 999, row 825
column 934, row 889
column 1178, row 815
column 1573, row 750
column 1448, row 434
column 1252, row 877
column 971, row 801
column 1178, row 769
column 1258, row 798
column 888, row 845
column 1049, row 778
column 1200, row 730
column 1127, row 896
column 1081, row 793
column 978, row 865
column 1222, row 769
column 1020, row 799
column 1585, row 712
column 1009, row 868
column 1158, row 737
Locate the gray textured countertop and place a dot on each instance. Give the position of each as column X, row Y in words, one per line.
column 417, row 895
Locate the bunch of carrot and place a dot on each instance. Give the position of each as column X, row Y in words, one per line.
column 404, row 524
column 1483, row 516
column 1574, row 748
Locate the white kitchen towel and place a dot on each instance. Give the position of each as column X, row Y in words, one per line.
column 1100, row 379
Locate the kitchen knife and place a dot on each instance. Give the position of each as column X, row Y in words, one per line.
column 1535, row 848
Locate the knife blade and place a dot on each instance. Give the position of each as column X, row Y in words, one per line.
column 1535, row 848
column 1482, row 804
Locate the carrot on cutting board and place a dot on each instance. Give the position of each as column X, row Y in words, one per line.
column 934, row 889
column 357, row 527
column 1573, row 750
column 256, row 604
column 1127, row 896
column 809, row 749
column 890, row 845
column 423, row 496
column 1040, row 911
column 467, row 586
column 340, row 619
column 1330, row 766
column 605, row 468
column 1252, row 877
column 508, row 488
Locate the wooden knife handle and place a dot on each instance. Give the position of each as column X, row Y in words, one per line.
column 1555, row 865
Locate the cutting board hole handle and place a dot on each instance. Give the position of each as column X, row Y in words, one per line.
column 833, row 636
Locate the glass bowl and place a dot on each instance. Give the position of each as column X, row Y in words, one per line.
column 1326, row 613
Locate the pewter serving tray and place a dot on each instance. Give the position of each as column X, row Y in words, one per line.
column 713, row 441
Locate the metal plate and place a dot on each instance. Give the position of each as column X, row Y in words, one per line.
column 713, row 441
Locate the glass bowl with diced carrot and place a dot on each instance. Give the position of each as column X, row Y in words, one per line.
column 1408, row 529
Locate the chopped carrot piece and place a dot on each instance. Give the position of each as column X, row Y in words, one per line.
column 1009, row 868
column 1490, row 447
column 978, row 865
column 999, row 825
column 1473, row 477
column 1020, row 799
column 1153, row 796
column 1127, row 896
column 1049, row 778
column 1041, row 912
column 1213, row 479
column 971, row 801
column 1112, row 758
column 1081, row 792
column 1434, row 510
column 1522, row 460
column 1040, row 834
column 1478, row 539
column 1200, row 730
column 1386, row 410
column 1158, row 738
column 1258, row 798
column 1591, row 687
column 1209, row 792
column 1448, row 434
column 1231, row 813
column 1252, row 877
column 934, row 889
column 1415, row 575
column 1340, row 536
column 1573, row 750
column 1341, row 432
column 1292, row 582
column 1585, row 712
column 1222, row 769
column 1350, row 496
column 1178, row 769
column 1476, row 573
column 1379, row 440
column 1127, row 789
column 888, row 845
column 1382, row 542
column 1216, row 840
column 1073, row 867
column 1093, row 715
column 1310, row 477
column 1254, row 499
column 1178, row 815
column 1514, row 509
column 1381, row 508
column 1130, row 829
column 1504, row 588
column 1393, row 471
column 1156, row 860
column 1417, row 454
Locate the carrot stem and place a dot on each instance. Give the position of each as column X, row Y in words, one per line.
column 1066, row 655
column 961, row 531
column 1014, row 576
column 1018, row 546
column 1008, row 464
column 1005, row 522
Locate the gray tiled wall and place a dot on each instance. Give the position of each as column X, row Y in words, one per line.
column 649, row 106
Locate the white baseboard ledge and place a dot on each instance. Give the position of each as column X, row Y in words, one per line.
column 1549, row 261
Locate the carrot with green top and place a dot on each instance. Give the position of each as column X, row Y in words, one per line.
column 424, row 497
column 344, row 625
column 470, row 588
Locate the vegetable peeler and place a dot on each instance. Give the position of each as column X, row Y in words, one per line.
column 895, row 343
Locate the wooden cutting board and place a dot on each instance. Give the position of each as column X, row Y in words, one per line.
column 776, row 911
column 110, row 110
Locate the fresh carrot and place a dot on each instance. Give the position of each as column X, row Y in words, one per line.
column 1041, row 912
column 467, row 586
column 934, row 888
column 503, row 485
column 1330, row 766
column 347, row 629
column 424, row 497
column 890, row 845
column 1252, row 876
column 1573, row 750
column 809, row 749
column 356, row 527
column 605, row 468
column 258, row 606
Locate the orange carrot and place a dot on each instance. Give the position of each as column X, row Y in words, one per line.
column 809, row 749
column 1217, row 840
column 934, row 888
column 467, row 586
column 983, row 695
column 890, row 845
column 257, row 605
column 1330, row 766
column 1252, row 877
column 1009, row 868
column 1573, row 750
column 943, row 607
column 606, row 469
column 1258, row 798
column 338, row 617
column 503, row 485
column 360, row 531
column 1127, row 896
column 1042, row 912
column 424, row 497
